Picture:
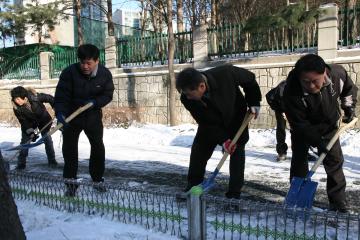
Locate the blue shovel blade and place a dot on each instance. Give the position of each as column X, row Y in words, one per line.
column 27, row 145
column 301, row 193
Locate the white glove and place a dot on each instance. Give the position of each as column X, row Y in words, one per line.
column 255, row 110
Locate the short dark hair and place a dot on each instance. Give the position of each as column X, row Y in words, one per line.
column 88, row 51
column 19, row 91
column 189, row 78
column 310, row 63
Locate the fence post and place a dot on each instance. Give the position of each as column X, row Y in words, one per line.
column 328, row 33
column 196, row 217
column 110, row 52
column 200, row 46
column 45, row 65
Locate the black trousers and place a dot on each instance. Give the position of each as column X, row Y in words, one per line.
column 281, row 146
column 333, row 162
column 91, row 124
column 201, row 151
column 49, row 148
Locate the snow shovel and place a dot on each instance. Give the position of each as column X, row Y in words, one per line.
column 302, row 190
column 41, row 130
column 209, row 183
column 52, row 131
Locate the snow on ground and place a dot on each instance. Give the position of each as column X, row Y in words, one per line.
column 155, row 148
column 158, row 148
column 45, row 223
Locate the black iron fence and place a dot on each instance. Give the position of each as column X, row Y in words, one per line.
column 188, row 217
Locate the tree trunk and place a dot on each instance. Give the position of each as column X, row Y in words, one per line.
column 193, row 18
column 10, row 225
column 109, row 18
column 171, row 50
column 78, row 21
column 180, row 29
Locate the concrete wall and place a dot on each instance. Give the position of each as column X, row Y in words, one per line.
column 143, row 96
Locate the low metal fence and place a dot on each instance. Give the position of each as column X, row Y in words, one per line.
column 187, row 216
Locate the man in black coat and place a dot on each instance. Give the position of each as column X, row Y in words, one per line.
column 31, row 112
column 79, row 84
column 214, row 99
column 311, row 98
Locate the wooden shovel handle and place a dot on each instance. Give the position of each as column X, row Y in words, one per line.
column 245, row 123
column 332, row 142
column 71, row 117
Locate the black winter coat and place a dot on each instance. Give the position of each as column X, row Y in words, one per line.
column 230, row 104
column 75, row 89
column 38, row 116
column 312, row 116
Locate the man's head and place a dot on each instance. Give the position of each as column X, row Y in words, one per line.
column 88, row 55
column 310, row 70
column 191, row 83
column 19, row 95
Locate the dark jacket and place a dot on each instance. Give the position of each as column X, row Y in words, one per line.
column 275, row 97
column 75, row 89
column 312, row 116
column 38, row 116
column 225, row 96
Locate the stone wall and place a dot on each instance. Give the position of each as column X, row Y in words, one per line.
column 143, row 96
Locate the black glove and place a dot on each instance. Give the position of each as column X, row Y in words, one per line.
column 322, row 147
column 61, row 119
column 349, row 114
column 32, row 134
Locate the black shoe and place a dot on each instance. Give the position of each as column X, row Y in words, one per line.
column 70, row 189
column 52, row 163
column 341, row 208
column 20, row 166
column 281, row 157
column 100, row 187
column 232, row 195
column 70, row 192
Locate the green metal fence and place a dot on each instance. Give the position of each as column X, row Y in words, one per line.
column 234, row 41
column 153, row 49
column 18, row 68
column 349, row 27
column 60, row 60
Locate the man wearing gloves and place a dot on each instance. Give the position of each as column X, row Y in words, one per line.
column 29, row 108
column 311, row 96
column 79, row 84
column 214, row 99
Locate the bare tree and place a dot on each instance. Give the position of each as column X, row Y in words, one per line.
column 109, row 18
column 10, row 225
column 77, row 9
column 171, row 51
column 180, row 29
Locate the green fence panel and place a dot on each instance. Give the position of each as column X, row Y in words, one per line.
column 349, row 27
column 16, row 68
column 60, row 60
column 152, row 49
column 233, row 41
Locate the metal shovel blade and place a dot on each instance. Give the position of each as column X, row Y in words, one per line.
column 301, row 193
column 27, row 145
